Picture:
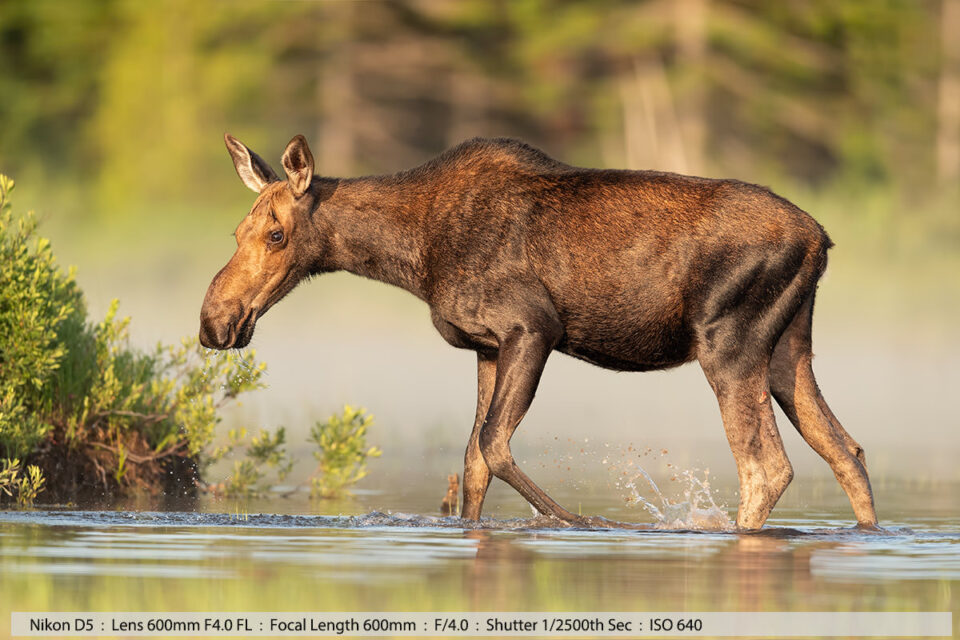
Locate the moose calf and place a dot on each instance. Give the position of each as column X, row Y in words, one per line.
column 518, row 255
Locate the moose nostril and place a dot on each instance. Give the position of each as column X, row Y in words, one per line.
column 215, row 335
column 228, row 333
column 207, row 335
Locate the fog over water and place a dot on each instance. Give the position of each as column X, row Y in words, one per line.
column 342, row 339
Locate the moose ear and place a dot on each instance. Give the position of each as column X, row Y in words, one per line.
column 251, row 168
column 298, row 163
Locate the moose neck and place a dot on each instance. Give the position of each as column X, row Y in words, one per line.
column 376, row 229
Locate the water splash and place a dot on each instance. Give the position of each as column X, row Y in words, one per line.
column 695, row 509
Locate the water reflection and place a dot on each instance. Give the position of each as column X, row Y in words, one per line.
column 176, row 561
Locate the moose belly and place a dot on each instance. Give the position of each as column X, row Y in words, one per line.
column 643, row 342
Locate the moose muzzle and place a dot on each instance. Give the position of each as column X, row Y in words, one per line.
column 226, row 326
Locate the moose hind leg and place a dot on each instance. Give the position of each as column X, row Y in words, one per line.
column 795, row 389
column 763, row 468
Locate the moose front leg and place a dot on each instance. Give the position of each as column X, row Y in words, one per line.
column 476, row 474
column 523, row 353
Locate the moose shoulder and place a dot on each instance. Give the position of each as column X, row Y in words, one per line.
column 518, row 254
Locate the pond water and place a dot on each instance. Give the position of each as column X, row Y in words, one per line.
column 221, row 556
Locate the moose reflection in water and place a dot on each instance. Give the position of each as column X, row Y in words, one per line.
column 518, row 254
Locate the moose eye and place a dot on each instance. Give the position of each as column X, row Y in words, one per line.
column 276, row 237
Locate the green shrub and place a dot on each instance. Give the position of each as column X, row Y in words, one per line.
column 264, row 452
column 38, row 305
column 95, row 415
column 24, row 488
column 342, row 452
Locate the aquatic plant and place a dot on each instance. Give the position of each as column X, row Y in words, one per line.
column 341, row 453
column 23, row 487
column 93, row 415
column 263, row 453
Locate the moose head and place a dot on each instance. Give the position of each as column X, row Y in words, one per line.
column 277, row 245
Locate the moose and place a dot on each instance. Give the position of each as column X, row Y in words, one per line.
column 518, row 255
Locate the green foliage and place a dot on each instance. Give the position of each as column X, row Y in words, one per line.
column 23, row 487
column 342, row 452
column 39, row 306
column 76, row 385
column 245, row 480
column 263, row 452
column 268, row 450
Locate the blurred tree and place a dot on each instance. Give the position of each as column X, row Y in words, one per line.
column 177, row 73
column 131, row 98
column 50, row 53
column 948, row 112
